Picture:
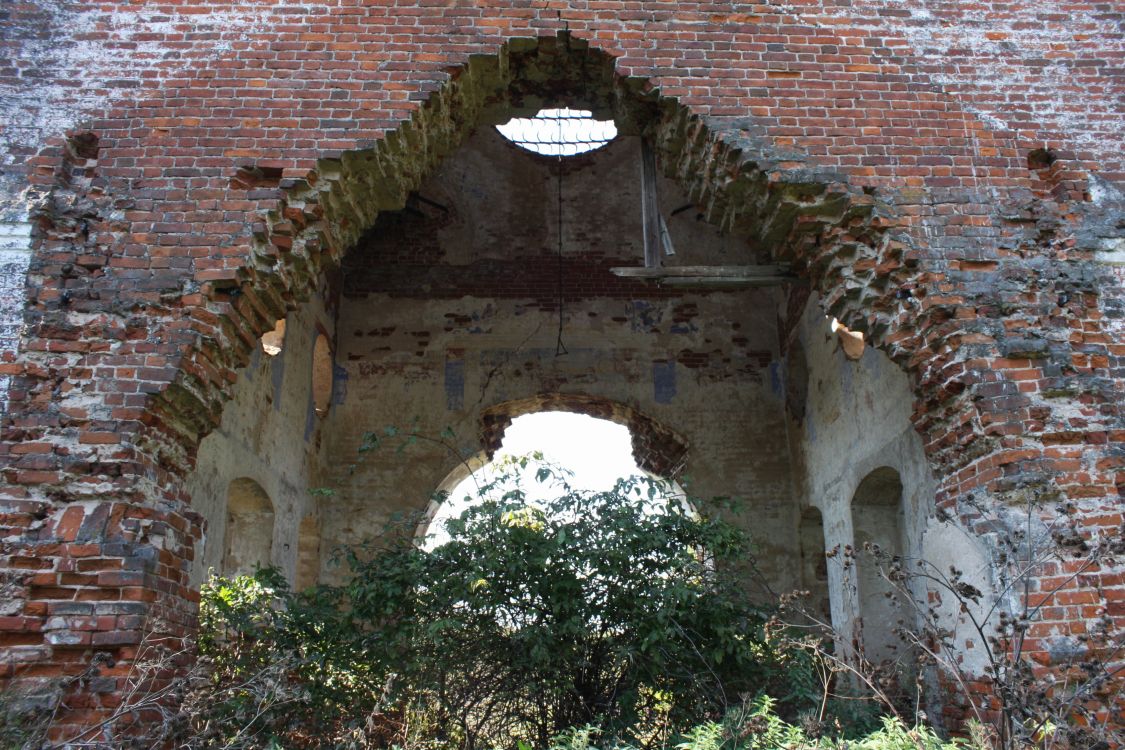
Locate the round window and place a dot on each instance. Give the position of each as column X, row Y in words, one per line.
column 559, row 132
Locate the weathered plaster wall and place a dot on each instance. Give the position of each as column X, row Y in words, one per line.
column 451, row 310
column 271, row 434
column 855, row 419
column 854, row 425
column 415, row 375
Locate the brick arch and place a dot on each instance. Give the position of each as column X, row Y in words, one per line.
column 831, row 232
column 117, row 399
column 657, row 448
column 837, row 235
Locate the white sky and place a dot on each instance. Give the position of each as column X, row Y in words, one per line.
column 597, row 451
column 559, row 132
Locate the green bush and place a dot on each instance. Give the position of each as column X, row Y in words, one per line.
column 617, row 616
column 614, row 609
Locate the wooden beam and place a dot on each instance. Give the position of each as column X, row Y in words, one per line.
column 650, row 208
column 726, row 276
column 722, row 281
column 742, row 272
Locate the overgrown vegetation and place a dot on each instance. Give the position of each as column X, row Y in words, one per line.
column 1019, row 700
column 619, row 610
column 615, row 619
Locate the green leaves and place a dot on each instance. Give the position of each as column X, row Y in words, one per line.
column 563, row 612
column 614, row 611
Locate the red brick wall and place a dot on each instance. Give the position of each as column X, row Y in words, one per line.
column 979, row 276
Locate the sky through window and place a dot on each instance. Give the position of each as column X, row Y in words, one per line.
column 559, row 132
column 597, row 451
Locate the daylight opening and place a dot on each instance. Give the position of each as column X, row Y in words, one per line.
column 272, row 341
column 559, row 132
column 596, row 453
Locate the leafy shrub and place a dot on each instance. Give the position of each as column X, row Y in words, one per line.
column 611, row 609
column 622, row 611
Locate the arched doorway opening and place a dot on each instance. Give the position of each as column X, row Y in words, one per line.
column 542, row 454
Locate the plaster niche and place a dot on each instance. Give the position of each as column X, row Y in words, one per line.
column 877, row 519
column 249, row 534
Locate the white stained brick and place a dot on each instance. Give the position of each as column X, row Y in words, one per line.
column 15, row 255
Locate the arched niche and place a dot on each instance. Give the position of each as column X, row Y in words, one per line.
column 878, row 524
column 249, row 532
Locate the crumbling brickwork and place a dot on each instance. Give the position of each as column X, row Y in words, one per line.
column 945, row 177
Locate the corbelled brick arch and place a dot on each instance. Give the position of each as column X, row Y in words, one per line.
column 827, row 229
column 148, row 294
column 128, row 363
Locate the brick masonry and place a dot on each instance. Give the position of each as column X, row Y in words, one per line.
column 188, row 172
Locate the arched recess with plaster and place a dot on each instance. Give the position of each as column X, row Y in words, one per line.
column 850, row 423
column 248, row 542
column 879, row 526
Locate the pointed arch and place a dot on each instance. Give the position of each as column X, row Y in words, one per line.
column 813, row 221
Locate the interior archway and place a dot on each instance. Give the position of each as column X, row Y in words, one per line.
column 467, row 282
column 823, row 229
column 815, row 224
column 656, row 448
column 590, row 453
